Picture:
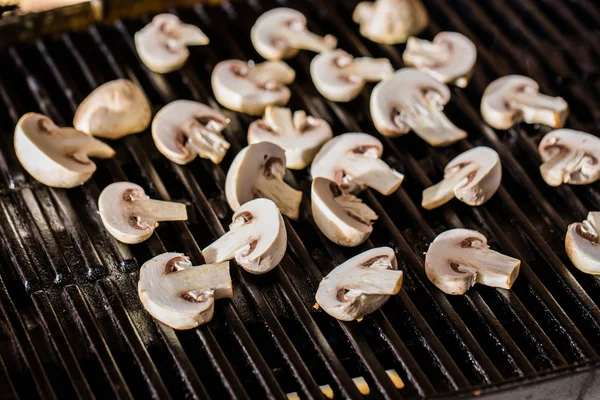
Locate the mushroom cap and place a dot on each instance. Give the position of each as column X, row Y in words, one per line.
column 582, row 244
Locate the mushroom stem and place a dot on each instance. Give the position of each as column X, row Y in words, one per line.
column 356, row 208
column 226, row 247
column 370, row 69
column 270, row 71
column 306, row 40
column 281, row 119
column 192, row 36
column 442, row 192
column 213, row 278
column 426, row 52
column 559, row 168
column 285, row 197
column 207, row 142
column 157, row 210
column 539, row 108
column 373, row 172
column 373, row 281
column 492, row 268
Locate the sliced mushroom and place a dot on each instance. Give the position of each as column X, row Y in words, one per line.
column 57, row 157
column 163, row 44
column 515, row 98
column 181, row 295
column 472, row 177
column 449, row 58
column 352, row 161
column 459, row 258
column 257, row 171
column 340, row 77
column 582, row 244
column 361, row 285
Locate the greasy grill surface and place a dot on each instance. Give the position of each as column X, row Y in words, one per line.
column 71, row 322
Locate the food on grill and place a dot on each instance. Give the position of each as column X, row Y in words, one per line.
column 247, row 87
column 459, row 258
column 570, row 156
column 472, row 177
column 181, row 295
column 340, row 77
column 257, row 238
column 163, row 44
column 131, row 216
column 280, row 33
column 360, row 285
column 257, row 171
column 515, row 98
column 57, row 157
column 185, row 129
column 582, row 244
column 413, row 100
column 301, row 136
column 449, row 58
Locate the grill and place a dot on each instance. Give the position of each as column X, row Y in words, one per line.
column 70, row 320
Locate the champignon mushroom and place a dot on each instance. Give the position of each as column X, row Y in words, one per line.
column 163, row 44
column 352, row 161
column 361, row 285
column 582, row 244
column 181, row 295
column 570, row 156
column 301, row 136
column 472, row 177
column 57, row 157
column 459, row 258
column 257, row 171
column 340, row 77
column 249, row 88
column 449, row 58
column 515, row 98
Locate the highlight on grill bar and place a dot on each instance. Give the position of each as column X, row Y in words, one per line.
column 72, row 323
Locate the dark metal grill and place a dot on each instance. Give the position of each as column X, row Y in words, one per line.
column 70, row 320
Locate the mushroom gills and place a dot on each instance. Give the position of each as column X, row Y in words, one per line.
column 537, row 108
column 205, row 139
column 369, row 171
column 566, row 166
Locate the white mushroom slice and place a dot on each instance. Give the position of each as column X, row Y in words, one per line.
column 280, row 33
column 583, row 245
column 163, row 44
column 515, row 98
column 352, row 161
column 301, row 136
column 340, row 77
column 449, row 58
column 257, row 238
column 181, row 295
column 257, row 171
column 571, row 157
column 131, row 216
column 361, row 285
column 247, row 87
column 413, row 100
column 459, row 258
column 390, row 21
column 472, row 177
column 57, row 157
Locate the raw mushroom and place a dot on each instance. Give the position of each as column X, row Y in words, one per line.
column 515, row 98
column 361, row 285
column 413, row 100
column 472, row 177
column 247, row 87
column 280, row 33
column 257, row 238
column 459, row 258
column 181, row 295
column 582, row 244
column 301, row 136
column 340, row 77
column 57, row 157
column 131, row 216
column 163, row 44
column 257, row 171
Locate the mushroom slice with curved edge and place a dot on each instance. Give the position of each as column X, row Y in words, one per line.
column 459, row 258
column 257, row 238
column 249, row 88
column 413, row 100
column 352, row 161
column 184, row 129
column 582, row 244
column 340, row 77
column 131, row 216
column 472, row 177
column 361, row 285
column 570, row 156
column 163, row 44
column 57, row 157
column 515, row 98
column 449, row 58
column 280, row 33
column 257, row 171
column 181, row 295
column 301, row 136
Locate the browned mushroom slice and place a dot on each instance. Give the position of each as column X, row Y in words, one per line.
column 583, row 244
